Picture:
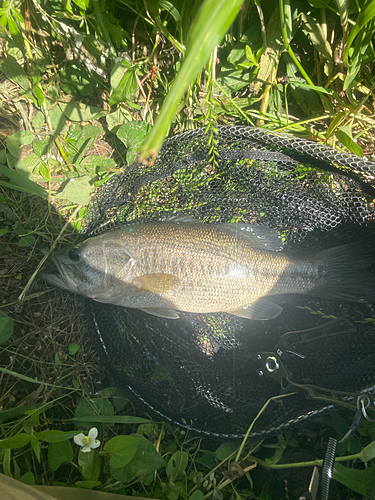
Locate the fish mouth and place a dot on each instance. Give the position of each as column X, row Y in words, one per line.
column 58, row 275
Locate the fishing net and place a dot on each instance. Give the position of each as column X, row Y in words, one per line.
column 214, row 372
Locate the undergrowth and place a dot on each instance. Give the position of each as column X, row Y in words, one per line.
column 83, row 86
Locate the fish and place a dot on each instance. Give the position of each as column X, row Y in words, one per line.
column 165, row 267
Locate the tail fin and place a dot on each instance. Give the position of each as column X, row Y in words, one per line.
column 346, row 276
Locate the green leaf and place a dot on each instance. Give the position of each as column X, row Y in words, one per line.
column 250, row 56
column 171, row 9
column 36, row 447
column 344, row 135
column 133, row 135
column 6, row 327
column 58, row 453
column 361, row 481
column 118, row 71
column 177, row 465
column 57, row 117
column 368, row 453
column 146, row 460
column 6, row 462
column 78, row 112
column 39, row 94
column 86, row 412
column 76, row 384
column 365, row 17
column 78, row 190
column 3, row 157
column 82, row 4
column 118, row 118
column 122, row 449
column 15, row 72
column 38, row 121
column 23, row 377
column 225, row 450
column 90, row 163
column 22, row 183
column 123, row 82
column 35, row 421
column 115, row 419
column 358, row 55
column 28, row 478
column 197, row 495
column 41, row 147
column 31, row 161
column 55, row 436
column 73, row 349
column 26, row 241
column 90, row 465
column 17, row 140
column 44, row 171
column 75, row 79
column 316, row 34
column 16, row 441
column 18, row 229
column 79, row 139
column 4, row 230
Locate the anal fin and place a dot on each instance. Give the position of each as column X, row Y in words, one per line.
column 261, row 309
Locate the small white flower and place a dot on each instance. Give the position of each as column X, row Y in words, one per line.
column 89, row 441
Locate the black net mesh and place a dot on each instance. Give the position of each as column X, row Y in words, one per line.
column 201, row 370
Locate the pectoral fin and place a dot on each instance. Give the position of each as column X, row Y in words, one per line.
column 158, row 283
column 161, row 313
column 261, row 309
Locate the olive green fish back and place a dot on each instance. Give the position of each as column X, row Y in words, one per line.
column 202, row 370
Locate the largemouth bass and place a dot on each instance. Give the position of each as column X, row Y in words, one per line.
column 171, row 266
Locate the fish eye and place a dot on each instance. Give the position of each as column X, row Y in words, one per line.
column 74, row 254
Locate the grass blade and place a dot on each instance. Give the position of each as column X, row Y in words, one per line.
column 25, row 184
column 364, row 18
column 211, row 24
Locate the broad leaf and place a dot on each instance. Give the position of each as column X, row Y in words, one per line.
column 197, row 495
column 78, row 190
column 55, row 436
column 133, row 135
column 15, row 72
column 368, row 453
column 344, row 135
column 58, row 453
column 145, row 461
column 90, row 466
column 122, row 449
column 6, row 327
column 78, row 112
column 177, row 465
column 16, row 441
column 361, row 481
column 123, row 82
column 86, row 412
column 17, row 140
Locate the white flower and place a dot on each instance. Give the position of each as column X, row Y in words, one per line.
column 89, row 441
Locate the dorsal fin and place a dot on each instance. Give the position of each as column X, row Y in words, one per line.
column 261, row 236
